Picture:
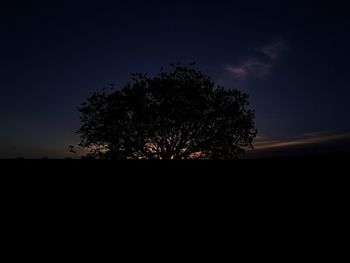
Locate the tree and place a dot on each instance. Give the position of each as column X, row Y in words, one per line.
column 177, row 115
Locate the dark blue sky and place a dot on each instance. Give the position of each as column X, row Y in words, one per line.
column 293, row 59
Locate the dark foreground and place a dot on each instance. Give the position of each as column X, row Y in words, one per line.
column 289, row 199
column 311, row 165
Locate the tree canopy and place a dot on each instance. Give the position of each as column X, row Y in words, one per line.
column 175, row 115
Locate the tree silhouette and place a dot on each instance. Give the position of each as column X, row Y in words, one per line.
column 177, row 115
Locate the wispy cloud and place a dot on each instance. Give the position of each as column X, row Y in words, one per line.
column 249, row 68
column 274, row 50
column 261, row 65
column 305, row 139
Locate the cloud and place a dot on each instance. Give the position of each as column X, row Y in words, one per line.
column 250, row 68
column 315, row 138
column 261, row 65
column 274, row 50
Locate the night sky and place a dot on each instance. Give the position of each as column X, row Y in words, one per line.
column 293, row 60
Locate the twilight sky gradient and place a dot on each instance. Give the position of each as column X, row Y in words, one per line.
column 293, row 59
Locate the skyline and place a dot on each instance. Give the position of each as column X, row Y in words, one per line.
column 291, row 59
